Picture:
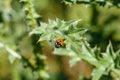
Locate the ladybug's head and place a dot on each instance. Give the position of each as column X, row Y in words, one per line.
column 59, row 43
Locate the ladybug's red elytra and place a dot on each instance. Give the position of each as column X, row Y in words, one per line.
column 59, row 43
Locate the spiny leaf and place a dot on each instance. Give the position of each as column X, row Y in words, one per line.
column 100, row 2
column 86, row 55
column 63, row 51
column 97, row 73
column 110, row 51
column 74, row 60
column 56, row 29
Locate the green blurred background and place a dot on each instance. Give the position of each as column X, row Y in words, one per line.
column 103, row 24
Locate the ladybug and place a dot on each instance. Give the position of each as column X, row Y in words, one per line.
column 59, row 43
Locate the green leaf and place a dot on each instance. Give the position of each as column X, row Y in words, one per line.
column 63, row 51
column 70, row 24
column 110, row 51
column 39, row 30
column 74, row 60
column 45, row 36
column 106, row 61
column 117, row 60
column 100, row 2
column 97, row 73
column 56, row 29
column 68, row 52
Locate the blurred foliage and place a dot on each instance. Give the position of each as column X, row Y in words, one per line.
column 100, row 2
column 89, row 28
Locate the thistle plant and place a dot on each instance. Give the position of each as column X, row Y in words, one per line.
column 88, row 2
column 76, row 45
column 77, row 48
column 32, row 20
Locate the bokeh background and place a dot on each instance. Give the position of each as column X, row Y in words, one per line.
column 103, row 24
